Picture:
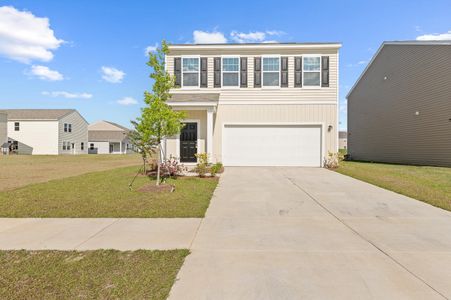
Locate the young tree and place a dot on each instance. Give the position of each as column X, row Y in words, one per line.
column 158, row 118
column 141, row 138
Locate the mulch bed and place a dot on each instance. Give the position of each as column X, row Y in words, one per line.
column 152, row 188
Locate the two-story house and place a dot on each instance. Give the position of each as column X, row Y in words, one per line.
column 47, row 131
column 255, row 104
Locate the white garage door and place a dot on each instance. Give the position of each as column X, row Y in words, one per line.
column 271, row 145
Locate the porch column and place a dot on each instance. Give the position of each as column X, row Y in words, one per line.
column 120, row 147
column 210, row 112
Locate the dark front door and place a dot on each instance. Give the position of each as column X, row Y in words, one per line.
column 188, row 143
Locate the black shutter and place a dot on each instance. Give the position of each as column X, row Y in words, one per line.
column 284, row 71
column 243, row 72
column 298, row 72
column 257, row 72
column 203, row 72
column 217, row 74
column 325, row 71
column 178, row 71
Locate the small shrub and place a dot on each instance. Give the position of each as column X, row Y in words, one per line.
column 332, row 161
column 216, row 168
column 172, row 167
column 202, row 165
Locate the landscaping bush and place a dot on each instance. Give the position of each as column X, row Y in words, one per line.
column 332, row 161
column 172, row 167
column 202, row 165
column 216, row 168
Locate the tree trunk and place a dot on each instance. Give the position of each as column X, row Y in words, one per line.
column 144, row 165
column 158, row 163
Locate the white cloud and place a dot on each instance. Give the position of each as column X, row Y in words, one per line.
column 150, row 49
column 205, row 37
column 112, row 75
column 127, row 101
column 250, row 37
column 63, row 94
column 44, row 73
column 25, row 37
column 255, row 36
column 435, row 37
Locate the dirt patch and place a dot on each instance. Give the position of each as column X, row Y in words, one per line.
column 152, row 188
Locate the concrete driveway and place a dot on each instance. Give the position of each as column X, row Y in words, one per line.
column 293, row 233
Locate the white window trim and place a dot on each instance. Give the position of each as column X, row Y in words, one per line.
column 222, row 71
column 280, row 71
column 312, row 87
column 198, row 81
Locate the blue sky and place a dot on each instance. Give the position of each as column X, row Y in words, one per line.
column 90, row 55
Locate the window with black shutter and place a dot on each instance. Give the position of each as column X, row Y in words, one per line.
column 257, row 72
column 217, row 72
column 243, row 72
column 325, row 71
column 178, row 71
column 284, row 71
column 298, row 71
column 203, row 72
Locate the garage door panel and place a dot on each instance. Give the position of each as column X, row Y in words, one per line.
column 269, row 145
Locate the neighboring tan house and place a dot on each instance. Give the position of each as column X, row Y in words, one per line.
column 47, row 131
column 255, row 104
column 399, row 110
column 342, row 140
column 4, row 147
column 107, row 137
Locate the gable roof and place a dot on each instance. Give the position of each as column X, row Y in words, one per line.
column 396, row 43
column 107, row 126
column 38, row 114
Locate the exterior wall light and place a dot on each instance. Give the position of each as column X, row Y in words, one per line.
column 329, row 128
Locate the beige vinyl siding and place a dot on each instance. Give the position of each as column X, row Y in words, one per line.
column 3, row 128
column 78, row 135
column 250, row 93
column 324, row 114
column 382, row 121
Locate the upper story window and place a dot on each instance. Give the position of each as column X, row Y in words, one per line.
column 271, row 71
column 312, row 71
column 16, row 126
column 230, row 71
column 67, row 127
column 190, row 72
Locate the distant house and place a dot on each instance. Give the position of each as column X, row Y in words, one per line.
column 106, row 137
column 47, row 131
column 3, row 132
column 399, row 111
column 342, row 140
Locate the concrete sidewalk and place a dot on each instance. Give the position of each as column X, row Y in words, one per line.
column 92, row 234
column 310, row 233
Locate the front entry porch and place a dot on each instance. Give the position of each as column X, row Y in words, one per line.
column 197, row 134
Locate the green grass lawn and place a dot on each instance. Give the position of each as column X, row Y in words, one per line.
column 100, row 274
column 106, row 194
column 22, row 170
column 429, row 184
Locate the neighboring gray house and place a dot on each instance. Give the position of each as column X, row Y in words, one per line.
column 3, row 132
column 47, row 131
column 342, row 140
column 108, row 138
column 399, row 110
